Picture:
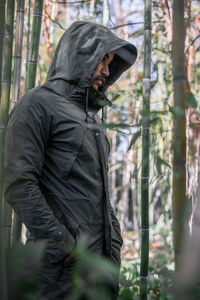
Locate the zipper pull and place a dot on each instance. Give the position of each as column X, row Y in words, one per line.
column 96, row 133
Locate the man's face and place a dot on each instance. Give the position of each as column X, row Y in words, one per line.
column 102, row 71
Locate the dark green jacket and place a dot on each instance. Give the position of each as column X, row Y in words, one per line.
column 56, row 157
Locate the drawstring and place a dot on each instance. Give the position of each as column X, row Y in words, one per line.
column 102, row 115
column 86, row 103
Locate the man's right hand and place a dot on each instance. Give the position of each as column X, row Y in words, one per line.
column 68, row 259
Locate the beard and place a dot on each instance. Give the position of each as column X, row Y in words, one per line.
column 102, row 78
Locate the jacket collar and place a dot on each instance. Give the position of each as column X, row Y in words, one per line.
column 97, row 100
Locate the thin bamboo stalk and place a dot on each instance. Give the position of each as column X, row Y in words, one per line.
column 105, row 12
column 17, row 230
column 179, row 133
column 6, row 85
column 18, row 50
column 16, row 233
column 145, row 153
column 8, row 225
column 3, row 119
column 2, row 28
column 51, row 29
column 28, row 34
column 35, row 40
column 92, row 2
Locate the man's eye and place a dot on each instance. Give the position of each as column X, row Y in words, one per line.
column 105, row 57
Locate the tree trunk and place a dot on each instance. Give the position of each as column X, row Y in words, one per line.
column 35, row 40
column 145, row 153
column 179, row 135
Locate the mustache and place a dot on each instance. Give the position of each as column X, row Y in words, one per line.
column 102, row 78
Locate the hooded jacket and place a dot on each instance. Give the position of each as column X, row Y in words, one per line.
column 56, row 157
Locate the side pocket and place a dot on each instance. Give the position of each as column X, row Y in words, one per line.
column 117, row 232
column 116, row 244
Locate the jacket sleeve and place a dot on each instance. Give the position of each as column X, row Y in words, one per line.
column 29, row 128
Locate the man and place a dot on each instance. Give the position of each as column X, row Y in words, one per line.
column 57, row 157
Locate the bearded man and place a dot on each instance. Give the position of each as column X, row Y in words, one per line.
column 56, row 158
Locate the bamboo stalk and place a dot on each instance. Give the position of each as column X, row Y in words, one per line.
column 16, row 232
column 179, row 133
column 51, row 29
column 2, row 28
column 105, row 12
column 145, row 153
column 35, row 40
column 3, row 121
column 18, row 50
column 28, row 34
column 92, row 3
column 6, row 85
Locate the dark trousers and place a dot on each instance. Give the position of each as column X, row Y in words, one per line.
column 56, row 281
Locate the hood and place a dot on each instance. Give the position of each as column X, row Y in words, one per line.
column 80, row 50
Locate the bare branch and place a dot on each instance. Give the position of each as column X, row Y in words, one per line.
column 192, row 43
column 55, row 21
column 71, row 2
column 168, row 10
column 129, row 13
column 135, row 23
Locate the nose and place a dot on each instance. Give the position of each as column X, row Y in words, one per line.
column 105, row 70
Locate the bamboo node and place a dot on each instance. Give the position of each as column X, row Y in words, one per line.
column 179, row 78
column 18, row 56
column 37, row 14
column 8, row 35
column 144, row 277
column 33, row 61
column 20, row 10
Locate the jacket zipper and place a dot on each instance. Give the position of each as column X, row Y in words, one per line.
column 105, row 194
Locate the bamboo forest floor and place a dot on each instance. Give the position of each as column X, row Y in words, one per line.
column 158, row 245
column 161, row 266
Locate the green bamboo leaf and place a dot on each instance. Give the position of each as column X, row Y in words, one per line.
column 171, row 109
column 114, row 126
column 159, row 112
column 159, row 162
column 155, row 121
column 134, row 139
column 163, row 161
column 176, row 111
column 115, row 97
column 191, row 101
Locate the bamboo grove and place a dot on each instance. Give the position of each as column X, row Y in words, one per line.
column 153, row 125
